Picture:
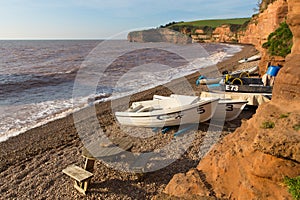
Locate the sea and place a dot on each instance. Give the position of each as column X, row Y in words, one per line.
column 43, row 80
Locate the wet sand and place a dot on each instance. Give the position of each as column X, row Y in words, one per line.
column 31, row 163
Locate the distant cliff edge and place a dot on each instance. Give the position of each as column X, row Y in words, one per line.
column 159, row 35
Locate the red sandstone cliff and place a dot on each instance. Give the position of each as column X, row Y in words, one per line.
column 252, row 162
column 224, row 34
column 263, row 24
column 256, row 32
column 259, row 29
column 288, row 80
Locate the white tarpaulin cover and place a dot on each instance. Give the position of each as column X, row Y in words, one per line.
column 254, row 99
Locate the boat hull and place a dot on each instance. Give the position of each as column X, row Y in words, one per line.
column 187, row 114
column 250, row 59
column 229, row 110
column 246, row 85
column 209, row 81
column 247, row 88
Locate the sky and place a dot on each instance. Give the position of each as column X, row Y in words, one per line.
column 107, row 19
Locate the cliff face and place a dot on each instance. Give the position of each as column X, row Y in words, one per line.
column 263, row 24
column 220, row 34
column 255, row 33
column 248, row 164
column 288, row 80
column 159, row 35
column 252, row 162
column 259, row 29
column 224, row 34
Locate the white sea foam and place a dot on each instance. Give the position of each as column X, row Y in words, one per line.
column 18, row 119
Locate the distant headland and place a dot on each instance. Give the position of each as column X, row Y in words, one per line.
column 213, row 30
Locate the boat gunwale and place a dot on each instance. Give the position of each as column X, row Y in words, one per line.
column 164, row 112
column 232, row 101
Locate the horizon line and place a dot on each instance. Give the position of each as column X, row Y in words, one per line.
column 10, row 39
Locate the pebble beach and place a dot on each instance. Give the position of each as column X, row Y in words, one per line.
column 31, row 163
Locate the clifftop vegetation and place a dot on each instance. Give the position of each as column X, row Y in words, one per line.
column 263, row 4
column 208, row 26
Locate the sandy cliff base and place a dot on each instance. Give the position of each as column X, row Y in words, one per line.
column 252, row 162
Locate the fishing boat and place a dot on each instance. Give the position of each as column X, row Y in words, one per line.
column 245, row 84
column 252, row 58
column 164, row 111
column 254, row 99
column 245, row 72
column 227, row 109
column 202, row 80
column 208, row 81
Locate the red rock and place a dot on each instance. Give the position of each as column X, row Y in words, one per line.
column 265, row 23
column 224, row 34
column 187, row 184
column 252, row 162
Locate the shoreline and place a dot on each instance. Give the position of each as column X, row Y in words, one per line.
column 40, row 118
column 31, row 163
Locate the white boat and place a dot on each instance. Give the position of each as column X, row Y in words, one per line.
column 209, row 81
column 249, row 71
column 229, row 109
column 168, row 111
column 254, row 99
column 252, row 58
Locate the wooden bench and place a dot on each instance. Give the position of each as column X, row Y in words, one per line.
column 81, row 176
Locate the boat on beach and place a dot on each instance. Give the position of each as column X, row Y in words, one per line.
column 202, row 80
column 253, row 99
column 229, row 109
column 208, row 81
column 246, row 85
column 164, row 111
column 252, row 58
column 179, row 109
column 245, row 72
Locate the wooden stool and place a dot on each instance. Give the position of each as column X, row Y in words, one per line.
column 81, row 176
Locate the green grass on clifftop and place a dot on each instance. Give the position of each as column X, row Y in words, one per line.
column 213, row 22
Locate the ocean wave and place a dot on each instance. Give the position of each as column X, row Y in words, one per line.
column 32, row 95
